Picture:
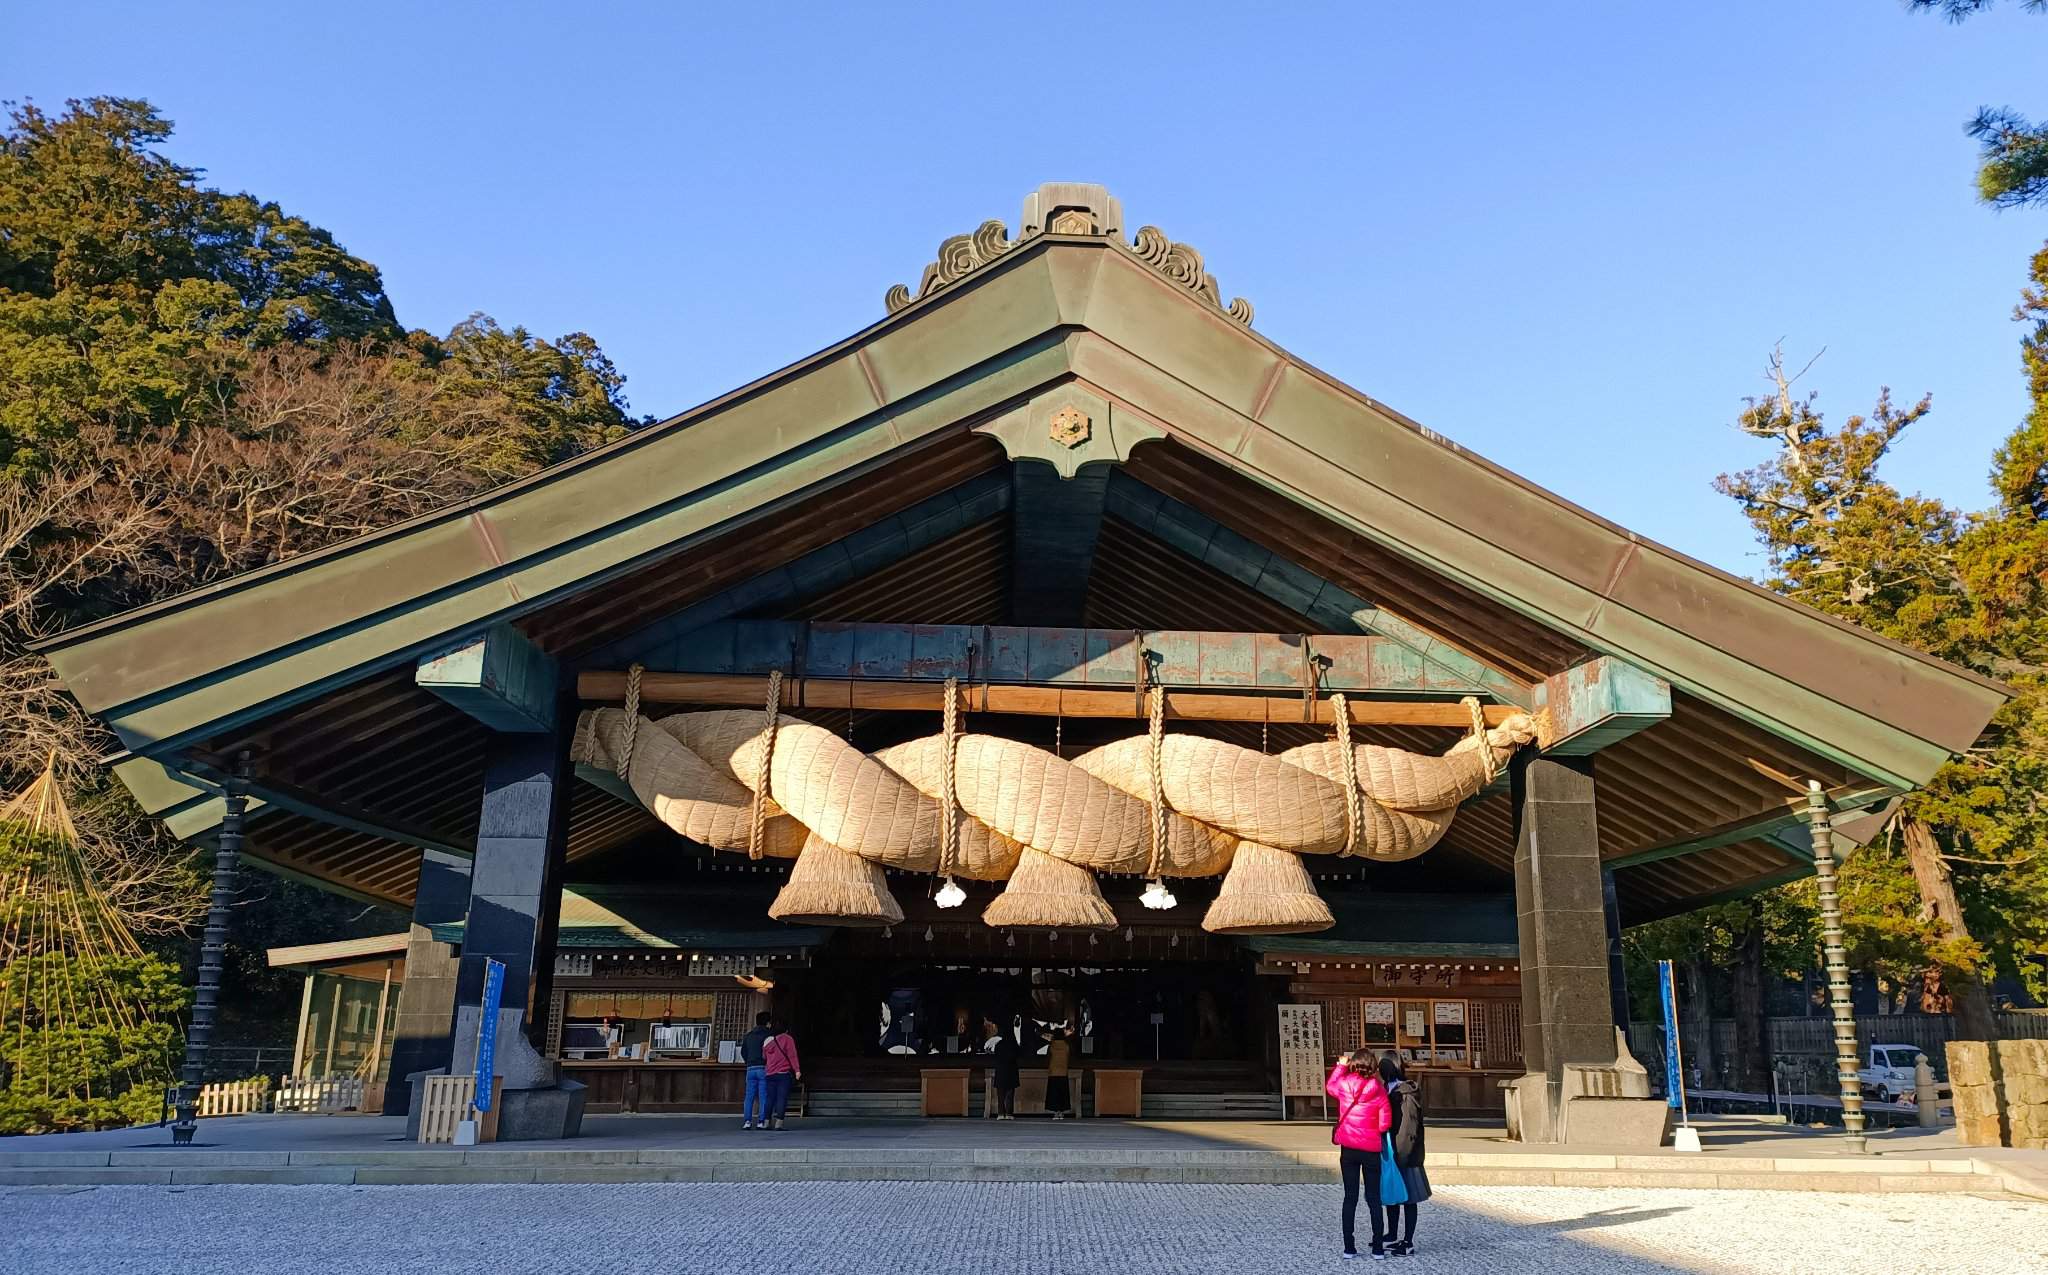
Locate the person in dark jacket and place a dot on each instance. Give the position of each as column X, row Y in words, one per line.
column 1003, row 1066
column 755, row 1103
column 1405, row 1145
column 1058, row 1093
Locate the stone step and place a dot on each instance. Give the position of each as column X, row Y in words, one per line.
column 793, row 1161
column 892, row 1105
column 1211, row 1106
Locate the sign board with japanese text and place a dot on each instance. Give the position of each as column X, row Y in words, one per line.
column 1301, row 1051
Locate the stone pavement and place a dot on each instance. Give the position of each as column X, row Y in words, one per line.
column 883, row 1228
column 370, row 1150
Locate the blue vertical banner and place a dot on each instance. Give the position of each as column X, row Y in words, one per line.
column 1667, row 997
column 487, row 1031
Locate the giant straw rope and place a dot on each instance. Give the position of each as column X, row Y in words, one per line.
column 992, row 809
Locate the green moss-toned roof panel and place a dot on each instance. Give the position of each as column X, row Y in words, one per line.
column 1051, row 309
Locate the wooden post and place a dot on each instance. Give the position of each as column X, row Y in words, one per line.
column 369, row 1072
column 300, row 1059
column 333, row 1025
column 1846, row 1079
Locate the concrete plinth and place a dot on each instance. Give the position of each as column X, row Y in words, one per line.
column 538, row 1115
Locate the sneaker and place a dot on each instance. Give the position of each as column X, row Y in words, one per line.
column 778, row 1124
column 1402, row 1248
column 1350, row 1253
column 1379, row 1255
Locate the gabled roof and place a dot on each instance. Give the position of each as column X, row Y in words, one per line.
column 1192, row 403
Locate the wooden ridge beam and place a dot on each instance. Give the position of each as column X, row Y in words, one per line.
column 609, row 687
column 1060, row 656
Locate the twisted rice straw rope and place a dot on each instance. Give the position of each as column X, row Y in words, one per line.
column 632, row 719
column 949, row 811
column 1156, row 732
column 761, row 774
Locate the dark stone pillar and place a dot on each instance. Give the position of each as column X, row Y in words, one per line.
column 1561, row 923
column 1617, row 969
column 426, row 999
column 515, row 889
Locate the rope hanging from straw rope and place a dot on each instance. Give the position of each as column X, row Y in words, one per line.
column 1478, row 712
column 1155, row 738
column 632, row 718
column 763, row 772
column 1347, row 765
column 1174, row 805
column 949, row 828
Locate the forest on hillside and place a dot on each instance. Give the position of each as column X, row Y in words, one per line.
column 194, row 383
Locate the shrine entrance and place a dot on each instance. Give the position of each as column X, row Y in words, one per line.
column 1063, row 616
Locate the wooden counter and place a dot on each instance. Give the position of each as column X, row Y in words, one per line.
column 657, row 1085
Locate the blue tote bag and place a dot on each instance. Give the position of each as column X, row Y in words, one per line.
column 1393, row 1186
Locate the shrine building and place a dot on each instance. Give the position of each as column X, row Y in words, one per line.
column 1056, row 651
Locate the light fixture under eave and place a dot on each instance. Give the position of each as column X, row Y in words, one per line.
column 927, row 933
column 950, row 895
column 1157, row 896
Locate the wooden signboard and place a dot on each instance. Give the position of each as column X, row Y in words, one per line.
column 1301, row 1053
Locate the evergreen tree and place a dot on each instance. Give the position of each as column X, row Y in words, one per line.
column 2012, row 170
column 1960, row 864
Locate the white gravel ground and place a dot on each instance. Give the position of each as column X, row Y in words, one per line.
column 893, row 1228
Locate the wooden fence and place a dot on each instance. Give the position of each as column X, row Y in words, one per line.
column 443, row 1105
column 234, row 1097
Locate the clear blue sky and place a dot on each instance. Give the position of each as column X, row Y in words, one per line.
column 1563, row 235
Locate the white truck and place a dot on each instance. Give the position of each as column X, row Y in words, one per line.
column 1889, row 1076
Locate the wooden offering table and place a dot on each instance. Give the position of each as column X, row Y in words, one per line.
column 942, row 1091
column 655, row 1085
column 1119, row 1093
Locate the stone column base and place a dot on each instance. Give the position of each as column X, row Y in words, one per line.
column 1603, row 1104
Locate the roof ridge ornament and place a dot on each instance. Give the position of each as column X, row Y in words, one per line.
column 1183, row 265
column 1069, row 208
column 958, row 256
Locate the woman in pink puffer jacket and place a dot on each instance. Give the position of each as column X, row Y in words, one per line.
column 1363, row 1118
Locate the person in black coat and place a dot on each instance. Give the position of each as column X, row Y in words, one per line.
column 1003, row 1066
column 1405, row 1140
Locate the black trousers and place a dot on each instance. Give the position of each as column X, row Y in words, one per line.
column 1399, row 1215
column 1355, row 1165
column 1006, row 1101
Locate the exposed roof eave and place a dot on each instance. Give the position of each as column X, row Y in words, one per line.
column 1055, row 308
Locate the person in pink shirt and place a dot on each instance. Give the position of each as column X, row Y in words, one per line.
column 1363, row 1117
column 779, row 1059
